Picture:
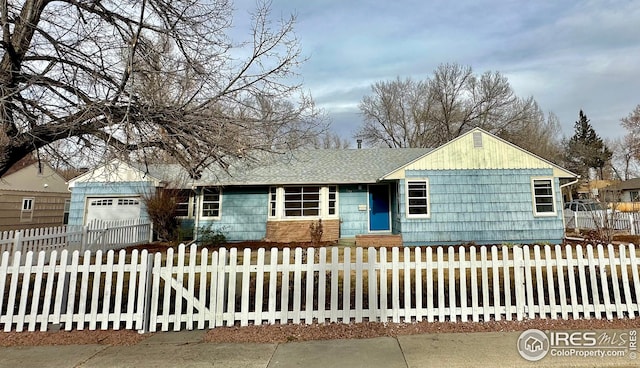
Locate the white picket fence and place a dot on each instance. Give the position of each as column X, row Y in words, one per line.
column 97, row 235
column 627, row 221
column 197, row 289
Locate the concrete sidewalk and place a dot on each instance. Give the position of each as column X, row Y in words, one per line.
column 187, row 349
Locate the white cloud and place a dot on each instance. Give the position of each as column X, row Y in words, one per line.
column 568, row 55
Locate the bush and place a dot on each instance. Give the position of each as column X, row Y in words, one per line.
column 161, row 206
column 315, row 230
column 210, row 237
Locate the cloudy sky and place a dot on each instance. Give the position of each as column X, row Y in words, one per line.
column 567, row 54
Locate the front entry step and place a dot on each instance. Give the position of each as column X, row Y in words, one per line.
column 379, row 240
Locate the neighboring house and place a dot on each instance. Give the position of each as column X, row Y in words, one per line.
column 110, row 192
column 624, row 195
column 477, row 188
column 593, row 188
column 33, row 196
column 626, row 191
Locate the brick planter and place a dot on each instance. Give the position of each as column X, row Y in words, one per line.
column 298, row 231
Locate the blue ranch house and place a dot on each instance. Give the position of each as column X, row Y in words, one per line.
column 476, row 188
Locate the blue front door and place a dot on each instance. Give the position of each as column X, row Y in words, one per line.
column 379, row 216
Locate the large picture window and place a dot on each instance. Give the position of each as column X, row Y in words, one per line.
column 211, row 202
column 301, row 201
column 543, row 203
column 417, row 198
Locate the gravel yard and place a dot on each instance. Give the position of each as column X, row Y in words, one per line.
column 290, row 333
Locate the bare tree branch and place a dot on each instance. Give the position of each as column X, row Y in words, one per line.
column 131, row 78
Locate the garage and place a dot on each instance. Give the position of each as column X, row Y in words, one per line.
column 112, row 208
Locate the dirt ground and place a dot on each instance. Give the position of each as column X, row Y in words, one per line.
column 160, row 247
column 290, row 332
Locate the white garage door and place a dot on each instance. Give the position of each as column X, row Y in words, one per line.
column 112, row 208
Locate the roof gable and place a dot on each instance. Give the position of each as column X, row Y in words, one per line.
column 31, row 179
column 114, row 171
column 478, row 149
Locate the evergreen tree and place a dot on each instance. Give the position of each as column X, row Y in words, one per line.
column 586, row 149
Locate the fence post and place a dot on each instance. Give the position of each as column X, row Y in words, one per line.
column 146, row 310
column 575, row 221
column 519, row 285
column 83, row 238
column 150, row 231
column 104, row 239
column 632, row 225
column 17, row 241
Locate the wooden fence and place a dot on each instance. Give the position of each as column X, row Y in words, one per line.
column 97, row 235
column 197, row 289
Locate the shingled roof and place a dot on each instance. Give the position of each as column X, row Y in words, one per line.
column 329, row 166
column 340, row 166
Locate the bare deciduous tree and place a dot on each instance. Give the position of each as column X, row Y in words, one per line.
column 541, row 136
column 329, row 140
column 429, row 113
column 624, row 162
column 396, row 114
column 106, row 78
column 632, row 121
column 626, row 151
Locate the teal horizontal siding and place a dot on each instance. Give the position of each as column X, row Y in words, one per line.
column 244, row 212
column 353, row 221
column 481, row 206
column 81, row 191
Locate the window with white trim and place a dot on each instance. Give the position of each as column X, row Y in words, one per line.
column 635, row 196
column 273, row 200
column 183, row 203
column 303, row 201
column 333, row 198
column 26, row 211
column 210, row 202
column 67, row 209
column 27, row 204
column 417, row 198
column 543, row 199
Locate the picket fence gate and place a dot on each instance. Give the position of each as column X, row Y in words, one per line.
column 198, row 289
